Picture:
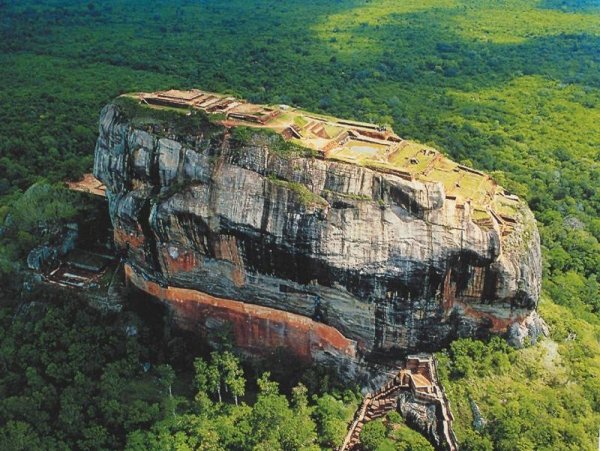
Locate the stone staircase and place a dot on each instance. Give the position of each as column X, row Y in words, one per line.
column 374, row 405
column 419, row 377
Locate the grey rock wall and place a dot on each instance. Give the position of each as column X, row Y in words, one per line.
column 391, row 263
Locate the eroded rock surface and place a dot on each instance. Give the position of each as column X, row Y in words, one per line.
column 390, row 263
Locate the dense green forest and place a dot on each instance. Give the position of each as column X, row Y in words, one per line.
column 507, row 86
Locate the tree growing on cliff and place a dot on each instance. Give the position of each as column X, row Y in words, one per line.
column 233, row 375
column 166, row 377
column 207, row 378
column 332, row 416
column 373, row 435
column 223, row 371
column 303, row 426
column 42, row 209
column 277, row 426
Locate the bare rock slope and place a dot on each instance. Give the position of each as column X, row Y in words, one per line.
column 394, row 263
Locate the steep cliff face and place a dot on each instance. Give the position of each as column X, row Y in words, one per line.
column 394, row 264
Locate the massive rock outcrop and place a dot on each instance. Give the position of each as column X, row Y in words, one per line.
column 392, row 263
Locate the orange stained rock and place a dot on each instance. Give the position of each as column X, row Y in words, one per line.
column 451, row 301
column 499, row 325
column 178, row 261
column 255, row 328
column 226, row 248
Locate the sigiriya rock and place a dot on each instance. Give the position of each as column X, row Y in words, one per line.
column 325, row 236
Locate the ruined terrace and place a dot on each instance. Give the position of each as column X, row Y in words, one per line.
column 369, row 145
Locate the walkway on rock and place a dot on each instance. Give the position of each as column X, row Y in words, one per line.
column 374, row 405
column 419, row 377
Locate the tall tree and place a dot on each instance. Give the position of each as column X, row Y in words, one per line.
column 233, row 375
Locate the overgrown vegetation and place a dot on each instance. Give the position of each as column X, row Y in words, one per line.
column 36, row 217
column 71, row 379
column 391, row 433
column 276, row 143
column 543, row 397
column 510, row 87
column 176, row 121
column 74, row 379
column 302, row 193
